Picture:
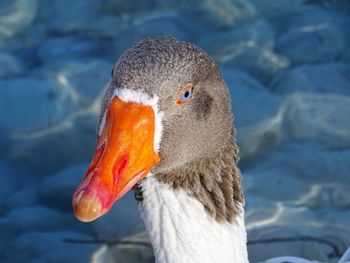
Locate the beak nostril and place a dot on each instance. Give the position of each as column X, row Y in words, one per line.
column 120, row 166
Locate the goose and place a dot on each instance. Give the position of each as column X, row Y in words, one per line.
column 166, row 130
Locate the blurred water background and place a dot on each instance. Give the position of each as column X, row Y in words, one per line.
column 287, row 64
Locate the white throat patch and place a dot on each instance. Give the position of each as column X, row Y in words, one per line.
column 181, row 231
column 140, row 97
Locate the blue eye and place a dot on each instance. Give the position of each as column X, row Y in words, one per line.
column 185, row 94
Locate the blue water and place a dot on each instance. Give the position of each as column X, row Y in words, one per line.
column 287, row 64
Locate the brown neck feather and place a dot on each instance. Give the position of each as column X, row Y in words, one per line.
column 214, row 181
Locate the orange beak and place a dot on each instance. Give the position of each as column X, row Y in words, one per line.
column 124, row 156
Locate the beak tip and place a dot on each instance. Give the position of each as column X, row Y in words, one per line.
column 87, row 207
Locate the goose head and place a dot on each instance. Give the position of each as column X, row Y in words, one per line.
column 166, row 108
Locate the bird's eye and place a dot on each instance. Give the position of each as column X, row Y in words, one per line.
column 185, row 94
